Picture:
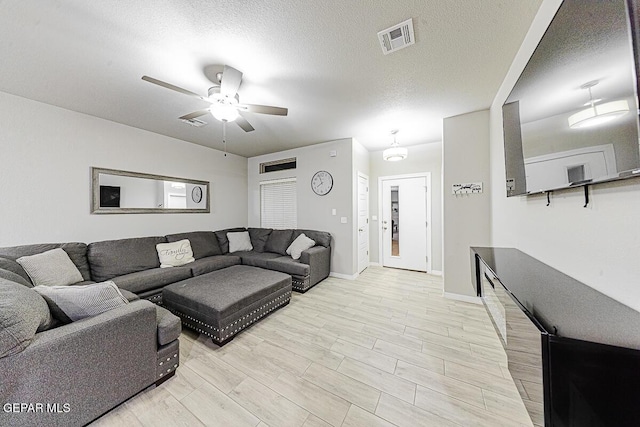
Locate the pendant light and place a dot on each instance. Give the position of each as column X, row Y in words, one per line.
column 595, row 115
column 395, row 153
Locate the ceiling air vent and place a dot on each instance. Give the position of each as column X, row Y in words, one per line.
column 397, row 37
column 278, row 165
column 194, row 122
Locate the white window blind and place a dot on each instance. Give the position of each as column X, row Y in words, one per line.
column 278, row 206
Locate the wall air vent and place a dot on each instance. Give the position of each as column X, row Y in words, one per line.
column 397, row 37
column 278, row 165
column 194, row 122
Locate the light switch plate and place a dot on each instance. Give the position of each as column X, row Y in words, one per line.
column 333, row 211
column 343, row 219
column 374, row 218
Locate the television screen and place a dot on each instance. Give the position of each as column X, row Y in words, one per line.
column 572, row 117
column 109, row 196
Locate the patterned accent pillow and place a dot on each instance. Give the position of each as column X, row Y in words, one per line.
column 71, row 303
column 175, row 254
column 239, row 241
column 51, row 268
column 302, row 243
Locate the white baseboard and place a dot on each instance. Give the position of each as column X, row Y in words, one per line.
column 464, row 298
column 375, row 264
column 435, row 273
column 344, row 276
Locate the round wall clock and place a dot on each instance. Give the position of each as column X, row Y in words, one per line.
column 196, row 194
column 321, row 183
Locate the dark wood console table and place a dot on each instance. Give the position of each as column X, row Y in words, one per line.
column 573, row 352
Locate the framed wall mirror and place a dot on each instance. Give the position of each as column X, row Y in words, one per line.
column 119, row 192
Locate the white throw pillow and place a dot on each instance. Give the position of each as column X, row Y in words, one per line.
column 175, row 254
column 51, row 268
column 300, row 244
column 239, row 241
column 71, row 303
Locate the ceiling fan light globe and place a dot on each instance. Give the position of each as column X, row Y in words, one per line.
column 222, row 112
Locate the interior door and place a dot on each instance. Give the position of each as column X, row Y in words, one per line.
column 404, row 223
column 363, row 222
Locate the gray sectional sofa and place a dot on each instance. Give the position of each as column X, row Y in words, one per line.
column 87, row 367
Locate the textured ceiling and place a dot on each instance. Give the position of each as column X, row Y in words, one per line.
column 320, row 59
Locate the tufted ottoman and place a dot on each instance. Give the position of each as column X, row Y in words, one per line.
column 224, row 302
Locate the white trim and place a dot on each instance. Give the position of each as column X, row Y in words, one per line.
column 343, row 276
column 435, row 273
column 374, row 264
column 428, row 200
column 276, row 181
column 463, row 298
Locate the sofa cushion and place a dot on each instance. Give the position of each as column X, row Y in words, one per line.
column 13, row 277
column 279, row 241
column 256, row 259
column 130, row 296
column 213, row 263
column 112, row 258
column 169, row 326
column 221, row 235
column 321, row 238
column 203, row 243
column 175, row 254
column 239, row 241
column 150, row 279
column 285, row 264
column 76, row 251
column 23, row 312
column 72, row 303
column 259, row 237
column 12, row 266
column 50, row 268
column 299, row 244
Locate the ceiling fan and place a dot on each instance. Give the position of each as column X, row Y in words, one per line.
column 224, row 99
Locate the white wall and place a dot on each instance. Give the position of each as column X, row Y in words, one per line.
column 467, row 217
column 314, row 212
column 598, row 245
column 45, row 179
column 422, row 158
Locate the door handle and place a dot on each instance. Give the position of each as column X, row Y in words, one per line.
column 384, row 228
column 360, row 229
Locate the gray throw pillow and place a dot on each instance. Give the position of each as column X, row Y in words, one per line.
column 79, row 302
column 14, row 267
column 51, row 268
column 279, row 241
column 259, row 237
column 10, row 275
column 22, row 313
column 222, row 237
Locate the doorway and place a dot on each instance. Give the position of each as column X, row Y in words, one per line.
column 363, row 222
column 405, row 222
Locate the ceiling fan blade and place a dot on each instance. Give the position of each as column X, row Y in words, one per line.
column 263, row 109
column 194, row 115
column 231, row 79
column 172, row 87
column 244, row 124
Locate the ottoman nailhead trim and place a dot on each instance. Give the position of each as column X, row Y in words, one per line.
column 192, row 322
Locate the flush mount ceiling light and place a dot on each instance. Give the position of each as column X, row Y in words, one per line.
column 595, row 115
column 395, row 153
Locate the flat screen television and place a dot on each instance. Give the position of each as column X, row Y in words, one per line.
column 572, row 117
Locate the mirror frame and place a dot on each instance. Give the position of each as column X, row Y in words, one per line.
column 95, row 193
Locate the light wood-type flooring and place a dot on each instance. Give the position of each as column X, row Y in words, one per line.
column 386, row 349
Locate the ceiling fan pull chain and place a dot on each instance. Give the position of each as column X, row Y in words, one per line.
column 224, row 136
